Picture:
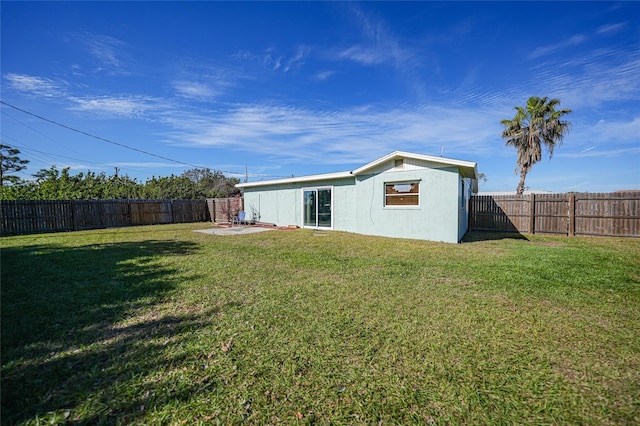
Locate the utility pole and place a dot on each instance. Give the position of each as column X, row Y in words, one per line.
column 246, row 173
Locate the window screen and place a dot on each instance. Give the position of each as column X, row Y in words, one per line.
column 402, row 194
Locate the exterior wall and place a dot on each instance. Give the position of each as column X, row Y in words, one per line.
column 344, row 209
column 273, row 204
column 282, row 204
column 436, row 218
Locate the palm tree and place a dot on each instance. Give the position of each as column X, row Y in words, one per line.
column 536, row 124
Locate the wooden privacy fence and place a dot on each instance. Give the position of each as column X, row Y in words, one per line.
column 612, row 214
column 224, row 209
column 38, row 216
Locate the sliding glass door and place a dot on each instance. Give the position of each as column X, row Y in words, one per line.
column 317, row 207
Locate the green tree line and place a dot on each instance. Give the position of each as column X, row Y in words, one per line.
column 55, row 184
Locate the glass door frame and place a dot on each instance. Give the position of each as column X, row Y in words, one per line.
column 317, row 219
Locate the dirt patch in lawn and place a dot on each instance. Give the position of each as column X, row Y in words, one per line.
column 242, row 229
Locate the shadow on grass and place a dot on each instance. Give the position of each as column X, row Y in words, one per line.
column 475, row 236
column 79, row 327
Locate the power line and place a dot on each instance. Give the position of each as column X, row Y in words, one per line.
column 105, row 139
column 33, row 129
column 28, row 150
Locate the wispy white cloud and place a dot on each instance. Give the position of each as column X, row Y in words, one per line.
column 589, row 80
column 379, row 46
column 346, row 136
column 611, row 28
column 298, row 59
column 194, row 89
column 362, row 55
column 590, row 148
column 618, row 131
column 604, row 139
column 277, row 63
column 32, row 85
column 324, row 75
column 273, row 60
column 552, row 48
column 108, row 51
column 264, row 59
column 618, row 152
column 124, row 106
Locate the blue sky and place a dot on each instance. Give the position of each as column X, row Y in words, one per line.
column 299, row 88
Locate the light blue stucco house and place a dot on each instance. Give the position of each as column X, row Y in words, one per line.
column 402, row 195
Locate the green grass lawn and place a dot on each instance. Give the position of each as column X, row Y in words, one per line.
column 162, row 325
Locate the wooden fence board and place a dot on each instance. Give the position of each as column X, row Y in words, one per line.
column 604, row 214
column 551, row 214
column 151, row 212
column 40, row 216
column 25, row 217
column 186, row 211
column 223, row 209
column 499, row 214
column 613, row 214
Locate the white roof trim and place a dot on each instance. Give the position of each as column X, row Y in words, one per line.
column 467, row 169
column 326, row 176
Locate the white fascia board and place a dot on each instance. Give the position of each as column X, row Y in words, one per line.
column 469, row 171
column 299, row 179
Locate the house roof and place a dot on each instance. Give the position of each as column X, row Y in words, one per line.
column 309, row 178
column 467, row 169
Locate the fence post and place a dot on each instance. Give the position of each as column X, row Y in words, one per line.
column 469, row 209
column 532, row 214
column 72, row 207
column 572, row 214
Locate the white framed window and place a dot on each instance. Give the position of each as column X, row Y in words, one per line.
column 402, row 194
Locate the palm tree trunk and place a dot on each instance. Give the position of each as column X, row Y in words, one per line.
column 523, row 175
